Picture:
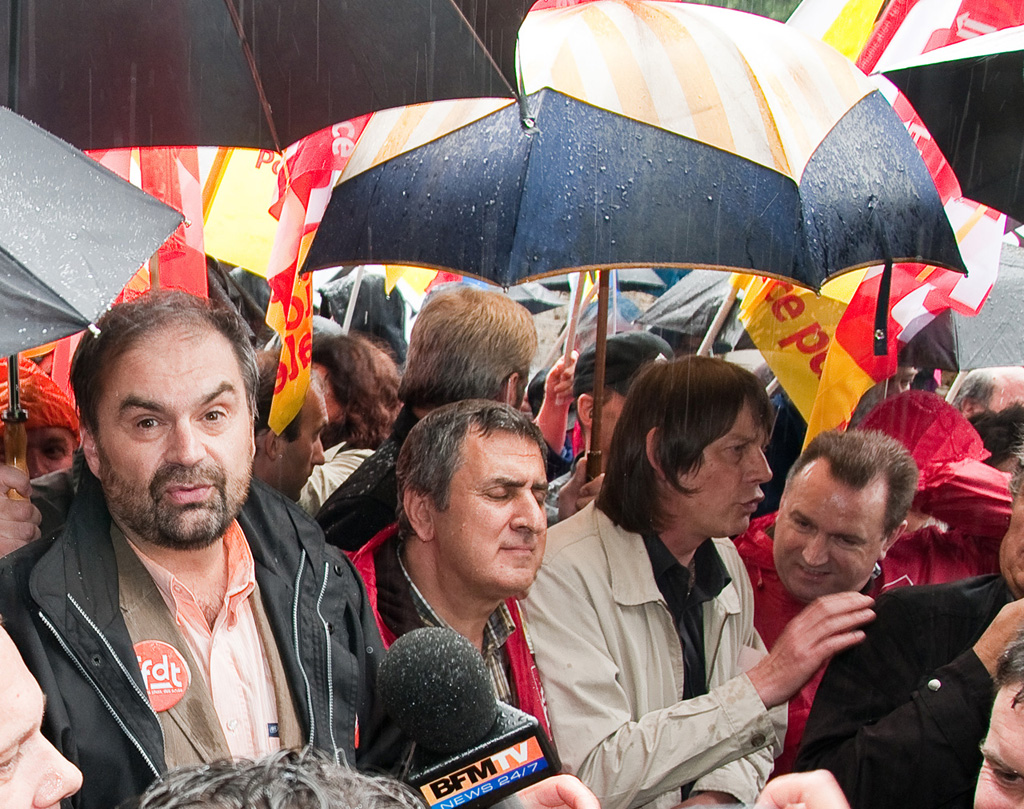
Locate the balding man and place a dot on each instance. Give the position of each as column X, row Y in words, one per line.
column 990, row 389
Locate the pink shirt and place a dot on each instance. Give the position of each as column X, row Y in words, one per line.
column 230, row 655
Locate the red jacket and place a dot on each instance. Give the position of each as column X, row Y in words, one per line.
column 518, row 647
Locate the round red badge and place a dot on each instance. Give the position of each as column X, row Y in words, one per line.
column 164, row 671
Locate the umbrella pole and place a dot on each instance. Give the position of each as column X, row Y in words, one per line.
column 716, row 325
column 350, row 310
column 15, row 437
column 595, row 463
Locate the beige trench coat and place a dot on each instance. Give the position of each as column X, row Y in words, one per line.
column 612, row 669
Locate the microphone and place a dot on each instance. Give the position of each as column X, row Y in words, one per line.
column 471, row 750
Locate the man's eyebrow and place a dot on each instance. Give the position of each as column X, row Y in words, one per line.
column 133, row 402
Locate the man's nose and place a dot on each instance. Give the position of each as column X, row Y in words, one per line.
column 815, row 551
column 530, row 514
column 185, row 444
column 59, row 779
column 318, row 453
column 759, row 470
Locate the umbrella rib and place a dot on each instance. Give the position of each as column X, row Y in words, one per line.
column 483, row 47
column 251, row 61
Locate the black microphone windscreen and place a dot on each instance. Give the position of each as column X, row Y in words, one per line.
column 435, row 686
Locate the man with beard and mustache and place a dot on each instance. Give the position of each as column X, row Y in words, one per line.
column 187, row 612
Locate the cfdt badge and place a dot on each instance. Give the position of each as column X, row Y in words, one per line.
column 164, row 672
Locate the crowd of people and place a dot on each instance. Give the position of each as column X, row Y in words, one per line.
column 196, row 608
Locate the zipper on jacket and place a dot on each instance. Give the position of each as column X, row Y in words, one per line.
column 110, row 651
column 330, row 664
column 106, row 703
column 298, row 655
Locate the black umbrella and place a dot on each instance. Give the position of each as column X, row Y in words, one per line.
column 690, row 308
column 576, row 186
column 641, row 279
column 993, row 337
column 106, row 73
column 971, row 97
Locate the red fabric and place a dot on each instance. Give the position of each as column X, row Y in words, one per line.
column 46, row 404
column 520, row 653
column 955, row 485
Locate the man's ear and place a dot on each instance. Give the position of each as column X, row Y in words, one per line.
column 419, row 511
column 89, row 449
column 651, row 446
column 585, row 410
column 510, row 390
column 890, row 540
column 267, row 444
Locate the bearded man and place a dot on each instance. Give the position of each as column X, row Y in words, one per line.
column 187, row 613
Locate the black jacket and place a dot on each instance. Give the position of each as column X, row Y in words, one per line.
column 59, row 599
column 899, row 717
column 367, row 502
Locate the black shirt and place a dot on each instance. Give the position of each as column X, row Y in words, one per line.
column 685, row 602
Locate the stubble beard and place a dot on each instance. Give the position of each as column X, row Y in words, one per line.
column 144, row 511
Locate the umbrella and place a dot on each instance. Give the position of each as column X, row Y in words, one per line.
column 691, row 305
column 577, row 186
column 107, row 73
column 71, row 236
column 535, row 297
column 642, row 279
column 971, row 97
column 993, row 337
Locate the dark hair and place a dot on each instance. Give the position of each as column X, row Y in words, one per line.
column 691, row 402
column 857, row 457
column 465, row 343
column 1000, row 432
column 288, row 779
column 364, row 381
column 432, row 452
column 1010, row 671
column 129, row 323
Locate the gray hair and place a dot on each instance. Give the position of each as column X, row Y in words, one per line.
column 1010, row 671
column 857, row 457
column 289, row 779
column 978, row 385
column 432, row 452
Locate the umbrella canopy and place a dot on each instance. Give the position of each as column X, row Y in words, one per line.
column 691, row 305
column 576, row 186
column 971, row 97
column 642, row 279
column 71, row 236
column 993, row 337
column 107, row 73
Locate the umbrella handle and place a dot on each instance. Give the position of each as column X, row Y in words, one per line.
column 16, row 449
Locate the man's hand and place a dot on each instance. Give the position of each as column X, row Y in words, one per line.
column 19, row 519
column 558, row 792
column 1000, row 632
column 817, row 789
column 558, row 383
column 824, row 627
column 578, row 491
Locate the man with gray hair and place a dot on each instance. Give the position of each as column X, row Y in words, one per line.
column 990, row 390
column 469, row 540
column 467, row 343
column 1001, row 782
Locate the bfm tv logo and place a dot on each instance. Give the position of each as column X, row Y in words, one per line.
column 486, row 775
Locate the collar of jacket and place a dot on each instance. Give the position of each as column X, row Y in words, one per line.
column 632, row 577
